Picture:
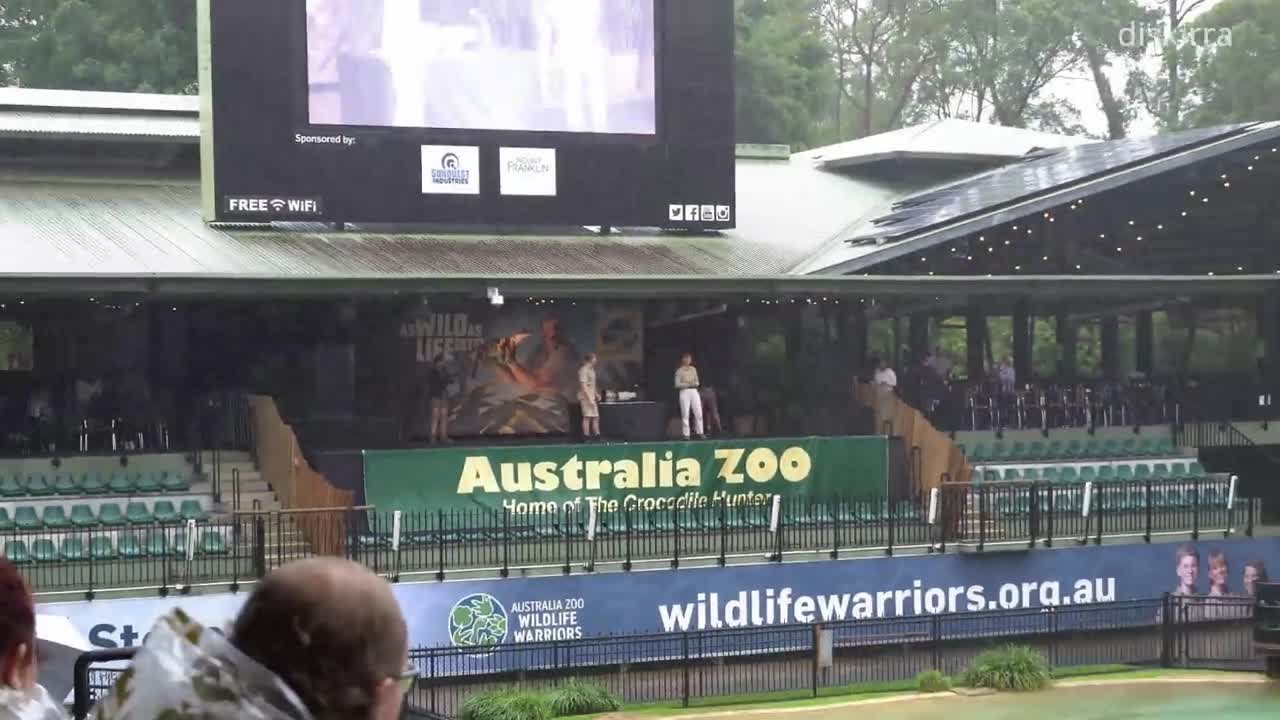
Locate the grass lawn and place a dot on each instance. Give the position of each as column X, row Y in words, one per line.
column 870, row 691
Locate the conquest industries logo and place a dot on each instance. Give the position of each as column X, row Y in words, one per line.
column 477, row 621
column 450, row 170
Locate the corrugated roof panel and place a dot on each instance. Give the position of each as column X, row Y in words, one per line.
column 83, row 124
column 84, row 100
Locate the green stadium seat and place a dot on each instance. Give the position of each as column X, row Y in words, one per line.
column 1110, row 449
column 109, row 514
column 174, row 482
column 191, row 510
column 100, row 548
column 1054, row 450
column 73, row 548
column 6, row 522
column 1067, row 475
column 55, row 517
column 65, row 484
column 1106, row 473
column 148, row 483
column 991, row 476
column 1142, row 471
column 163, row 512
column 38, row 485
column 44, row 550
column 212, row 543
column 1144, row 447
column 10, row 486
column 1074, row 449
column 136, row 513
column 1050, row 475
column 93, row 484
column 1031, row 474
column 1036, row 451
column 999, row 451
column 1018, row 451
column 1088, row 474
column 121, row 483
column 1129, row 447
column 26, row 519
column 82, row 516
column 1163, row 446
column 1178, row 470
column 156, row 544
column 16, row 551
column 1012, row 475
column 979, row 452
column 1124, row 472
column 1195, row 470
column 128, row 546
column 1160, row 471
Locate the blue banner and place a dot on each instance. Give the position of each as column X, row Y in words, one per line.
column 475, row 614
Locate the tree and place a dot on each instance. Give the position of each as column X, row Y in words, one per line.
column 1165, row 92
column 783, row 68
column 1103, row 38
column 1238, row 80
column 121, row 45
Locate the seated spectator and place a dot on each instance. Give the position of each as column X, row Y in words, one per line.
column 884, row 374
column 21, row 698
column 320, row 638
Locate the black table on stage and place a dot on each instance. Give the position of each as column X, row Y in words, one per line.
column 633, row 420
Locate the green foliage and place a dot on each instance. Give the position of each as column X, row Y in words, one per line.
column 783, row 73
column 932, row 681
column 1239, row 81
column 121, row 45
column 506, row 705
column 579, row 698
column 1010, row 668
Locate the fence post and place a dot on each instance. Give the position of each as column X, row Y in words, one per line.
column 1149, row 511
column 1195, row 509
column 1101, row 496
column 626, row 561
column 506, row 541
column 88, row 593
column 893, row 523
column 835, row 529
column 724, row 532
column 684, row 640
column 935, row 637
column 1053, row 494
column 431, row 676
column 675, row 538
column 1248, row 528
column 259, row 547
column 1166, row 631
column 567, row 530
column 440, row 544
column 982, row 517
column 1033, row 529
column 813, row 641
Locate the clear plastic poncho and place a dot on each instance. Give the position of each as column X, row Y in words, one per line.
column 185, row 670
column 33, row 704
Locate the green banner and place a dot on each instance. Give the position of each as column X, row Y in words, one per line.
column 645, row 476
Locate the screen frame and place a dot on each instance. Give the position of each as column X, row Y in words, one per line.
column 300, row 102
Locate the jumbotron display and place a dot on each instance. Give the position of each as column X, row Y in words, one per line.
column 493, row 112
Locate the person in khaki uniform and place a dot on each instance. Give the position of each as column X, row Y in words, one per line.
column 588, row 397
column 690, row 401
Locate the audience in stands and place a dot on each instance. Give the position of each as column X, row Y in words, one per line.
column 320, row 638
column 21, row 697
column 884, row 374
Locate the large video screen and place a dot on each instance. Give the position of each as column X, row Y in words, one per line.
column 500, row 113
column 582, row 66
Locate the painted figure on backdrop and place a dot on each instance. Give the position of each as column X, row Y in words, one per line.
column 1255, row 571
column 1188, row 570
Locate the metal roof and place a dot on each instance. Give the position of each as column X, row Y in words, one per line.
column 1042, row 172
column 948, row 139
column 117, row 102
column 788, row 210
column 70, row 115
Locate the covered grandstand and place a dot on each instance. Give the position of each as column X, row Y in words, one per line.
column 195, row 393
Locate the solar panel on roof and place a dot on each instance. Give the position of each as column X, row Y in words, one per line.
column 1039, row 173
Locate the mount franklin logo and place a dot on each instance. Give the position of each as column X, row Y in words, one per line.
column 273, row 206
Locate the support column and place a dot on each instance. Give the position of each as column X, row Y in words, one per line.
column 857, row 337
column 975, row 330
column 1110, row 347
column 1022, row 340
column 1066, row 332
column 1145, row 339
column 1270, row 331
column 918, row 337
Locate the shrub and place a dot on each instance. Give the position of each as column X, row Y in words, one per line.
column 1009, row 668
column 505, row 705
column 932, row 681
column 579, row 698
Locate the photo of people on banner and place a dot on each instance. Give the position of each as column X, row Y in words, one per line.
column 514, row 370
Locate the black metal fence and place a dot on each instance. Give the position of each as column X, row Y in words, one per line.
column 576, row 537
column 689, row 666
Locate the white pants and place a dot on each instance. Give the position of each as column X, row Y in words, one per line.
column 690, row 403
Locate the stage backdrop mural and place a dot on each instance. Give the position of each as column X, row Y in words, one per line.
column 477, row 613
column 533, row 479
column 513, row 369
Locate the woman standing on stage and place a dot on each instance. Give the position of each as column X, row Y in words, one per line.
column 690, row 402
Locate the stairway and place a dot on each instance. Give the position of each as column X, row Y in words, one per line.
column 236, row 469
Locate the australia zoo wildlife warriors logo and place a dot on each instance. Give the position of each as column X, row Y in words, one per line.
column 478, row 621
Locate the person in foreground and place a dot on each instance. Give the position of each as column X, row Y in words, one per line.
column 21, row 697
column 320, row 639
